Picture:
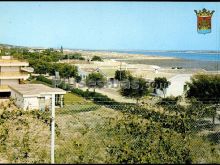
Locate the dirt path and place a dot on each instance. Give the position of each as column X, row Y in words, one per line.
column 113, row 94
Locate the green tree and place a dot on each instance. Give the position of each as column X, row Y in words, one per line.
column 61, row 49
column 134, row 88
column 95, row 80
column 122, row 75
column 206, row 89
column 78, row 78
column 96, row 58
column 162, row 84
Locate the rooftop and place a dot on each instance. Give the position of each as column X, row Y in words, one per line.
column 9, row 61
column 35, row 90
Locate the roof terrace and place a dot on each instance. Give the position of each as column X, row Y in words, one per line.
column 10, row 61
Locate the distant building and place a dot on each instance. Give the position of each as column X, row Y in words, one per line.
column 84, row 72
column 12, row 72
column 36, row 96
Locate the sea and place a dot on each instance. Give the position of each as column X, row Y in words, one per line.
column 188, row 55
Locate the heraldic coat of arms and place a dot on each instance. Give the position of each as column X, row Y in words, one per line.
column 204, row 21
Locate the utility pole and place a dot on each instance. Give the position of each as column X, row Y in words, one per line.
column 52, row 129
column 52, row 150
column 120, row 74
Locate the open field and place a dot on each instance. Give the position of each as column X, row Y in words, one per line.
column 85, row 133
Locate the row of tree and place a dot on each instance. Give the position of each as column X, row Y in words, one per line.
column 45, row 61
column 131, row 87
column 77, row 56
column 204, row 88
column 65, row 70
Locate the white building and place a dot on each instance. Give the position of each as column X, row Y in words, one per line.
column 177, row 86
column 36, row 96
column 12, row 72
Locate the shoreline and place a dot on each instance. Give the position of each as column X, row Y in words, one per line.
column 117, row 55
column 162, row 61
column 185, row 64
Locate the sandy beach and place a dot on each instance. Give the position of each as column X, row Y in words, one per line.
column 116, row 55
column 162, row 61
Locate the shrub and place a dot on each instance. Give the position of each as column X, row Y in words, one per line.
column 96, row 58
column 44, row 79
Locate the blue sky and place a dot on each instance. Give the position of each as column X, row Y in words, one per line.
column 108, row 25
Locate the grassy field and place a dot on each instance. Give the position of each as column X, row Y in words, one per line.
column 71, row 98
column 84, row 134
column 39, row 82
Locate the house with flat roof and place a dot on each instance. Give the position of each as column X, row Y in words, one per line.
column 12, row 72
column 36, row 96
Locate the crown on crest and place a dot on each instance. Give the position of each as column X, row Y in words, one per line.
column 204, row 13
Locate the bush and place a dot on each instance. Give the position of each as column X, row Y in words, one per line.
column 44, row 79
column 96, row 97
column 78, row 79
column 169, row 101
column 96, row 58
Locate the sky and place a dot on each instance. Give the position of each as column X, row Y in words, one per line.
column 108, row 25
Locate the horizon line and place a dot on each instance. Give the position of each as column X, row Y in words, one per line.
column 89, row 49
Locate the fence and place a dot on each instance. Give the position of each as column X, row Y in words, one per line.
column 125, row 133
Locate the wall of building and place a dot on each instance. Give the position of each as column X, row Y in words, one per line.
column 10, row 69
column 19, row 101
column 176, row 87
column 47, row 102
column 9, row 82
column 31, row 103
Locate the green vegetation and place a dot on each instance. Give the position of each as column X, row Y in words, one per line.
column 206, row 89
column 106, row 131
column 113, row 133
column 134, row 88
column 78, row 79
column 65, row 70
column 19, row 142
column 138, row 135
column 162, row 84
column 96, row 58
column 71, row 98
column 43, row 79
column 122, row 75
column 97, row 98
column 61, row 49
column 77, row 56
column 95, row 80
column 43, row 62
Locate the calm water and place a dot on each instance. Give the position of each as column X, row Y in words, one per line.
column 182, row 55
